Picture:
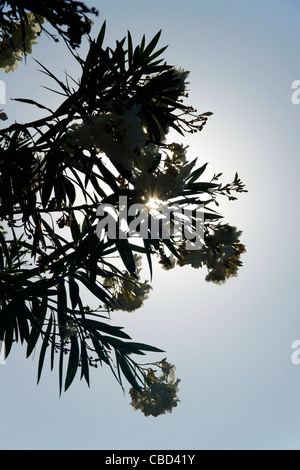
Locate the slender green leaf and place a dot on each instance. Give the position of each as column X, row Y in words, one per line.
column 210, row 216
column 148, row 254
column 74, row 292
column 130, row 48
column 61, row 365
column 151, row 46
column 144, row 347
column 197, row 173
column 73, row 362
column 97, row 187
column 35, row 103
column 94, row 288
column 53, row 346
column 99, row 350
column 75, row 228
column 39, row 313
column 47, row 72
column 84, row 363
column 43, row 348
column 108, row 176
column 127, row 371
column 49, row 179
column 201, row 186
column 126, row 254
column 7, row 328
column 101, row 35
column 22, row 315
column 104, row 327
column 142, row 46
column 5, row 249
column 61, row 306
column 157, row 54
column 169, row 244
column 70, row 189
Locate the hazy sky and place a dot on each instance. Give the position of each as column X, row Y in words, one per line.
column 231, row 344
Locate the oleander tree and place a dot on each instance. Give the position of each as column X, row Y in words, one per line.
column 108, row 140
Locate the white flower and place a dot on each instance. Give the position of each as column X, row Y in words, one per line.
column 179, row 153
column 181, row 75
column 158, row 185
column 23, row 37
column 177, row 176
column 132, row 295
column 137, row 261
column 68, row 331
column 147, row 157
column 193, row 257
column 159, row 394
column 129, row 129
column 221, row 255
column 9, row 58
column 217, row 275
column 226, row 234
column 91, row 133
column 118, row 136
column 128, row 293
column 167, row 262
column 165, row 182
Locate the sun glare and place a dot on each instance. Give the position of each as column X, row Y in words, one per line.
column 153, row 203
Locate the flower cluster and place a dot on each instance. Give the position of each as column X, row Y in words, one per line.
column 221, row 254
column 118, row 136
column 21, row 41
column 167, row 262
column 180, row 76
column 125, row 140
column 128, row 293
column 170, row 175
column 159, row 394
column 69, row 330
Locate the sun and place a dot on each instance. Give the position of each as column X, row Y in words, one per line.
column 153, row 203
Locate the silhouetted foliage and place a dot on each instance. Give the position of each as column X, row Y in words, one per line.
column 68, row 17
column 106, row 140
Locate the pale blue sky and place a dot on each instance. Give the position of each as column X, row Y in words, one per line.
column 231, row 344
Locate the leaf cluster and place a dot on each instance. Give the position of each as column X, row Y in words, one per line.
column 51, row 256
